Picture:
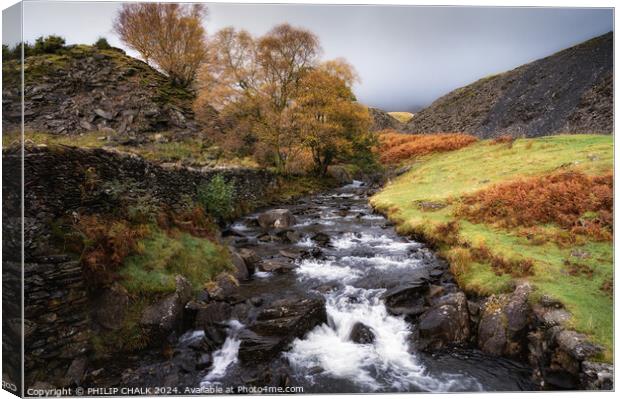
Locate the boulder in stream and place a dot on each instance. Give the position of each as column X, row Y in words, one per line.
column 241, row 269
column 278, row 325
column 277, row 265
column 340, row 174
column 276, row 218
column 362, row 334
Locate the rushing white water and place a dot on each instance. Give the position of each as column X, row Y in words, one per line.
column 361, row 255
column 191, row 336
column 326, row 271
column 386, row 364
column 225, row 356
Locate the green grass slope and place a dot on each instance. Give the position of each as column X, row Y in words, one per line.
column 426, row 198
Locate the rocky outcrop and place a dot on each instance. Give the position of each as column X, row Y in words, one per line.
column 87, row 89
column 561, row 358
column 567, row 92
column 445, row 324
column 504, row 323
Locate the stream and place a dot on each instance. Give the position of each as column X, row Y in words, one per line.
column 352, row 256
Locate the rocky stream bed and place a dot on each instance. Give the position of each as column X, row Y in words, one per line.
column 330, row 299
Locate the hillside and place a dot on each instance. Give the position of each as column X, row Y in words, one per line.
column 568, row 92
column 83, row 88
column 536, row 210
column 383, row 120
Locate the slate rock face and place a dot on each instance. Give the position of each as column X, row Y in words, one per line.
column 568, row 92
column 88, row 89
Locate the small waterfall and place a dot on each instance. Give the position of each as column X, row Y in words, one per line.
column 225, row 356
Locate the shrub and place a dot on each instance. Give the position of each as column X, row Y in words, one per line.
column 102, row 44
column 49, row 44
column 103, row 245
column 394, row 147
column 217, row 197
column 572, row 200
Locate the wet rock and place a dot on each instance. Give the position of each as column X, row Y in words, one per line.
column 276, row 218
column 224, row 287
column 276, row 265
column 435, row 291
column 166, row 315
column 256, row 348
column 492, row 327
column 597, row 376
column 241, row 269
column 362, row 334
column 277, row 326
column 250, row 258
column 204, row 360
column 321, row 239
column 111, row 307
column 559, row 379
column 340, row 174
column 212, row 313
column 504, row 323
column 290, row 254
column 445, row 324
column 75, row 373
column 406, row 294
column 577, row 345
column 215, row 336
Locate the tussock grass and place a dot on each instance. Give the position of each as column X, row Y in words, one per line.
column 472, row 172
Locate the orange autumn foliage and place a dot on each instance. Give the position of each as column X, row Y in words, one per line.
column 395, row 147
column 574, row 201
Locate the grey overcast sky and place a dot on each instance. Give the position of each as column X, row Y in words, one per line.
column 406, row 56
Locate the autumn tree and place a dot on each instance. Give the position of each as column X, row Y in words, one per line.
column 257, row 80
column 170, row 36
column 331, row 124
column 276, row 86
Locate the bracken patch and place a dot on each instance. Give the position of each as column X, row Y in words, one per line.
column 395, row 147
column 574, row 201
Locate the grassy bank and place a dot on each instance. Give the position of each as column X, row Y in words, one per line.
column 488, row 254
